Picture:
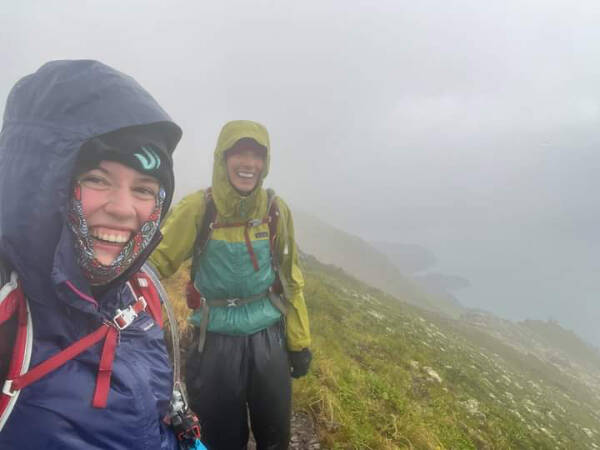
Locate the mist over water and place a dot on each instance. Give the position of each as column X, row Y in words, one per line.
column 471, row 129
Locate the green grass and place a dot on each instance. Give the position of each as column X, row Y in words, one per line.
column 387, row 375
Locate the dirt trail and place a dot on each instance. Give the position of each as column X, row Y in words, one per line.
column 304, row 436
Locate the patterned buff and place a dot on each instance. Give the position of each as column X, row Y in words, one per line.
column 96, row 272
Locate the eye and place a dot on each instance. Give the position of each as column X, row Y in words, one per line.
column 145, row 192
column 94, row 181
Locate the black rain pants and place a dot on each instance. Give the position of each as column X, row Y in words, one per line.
column 237, row 376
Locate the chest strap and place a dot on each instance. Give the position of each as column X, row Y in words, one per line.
column 196, row 300
column 209, row 223
column 109, row 331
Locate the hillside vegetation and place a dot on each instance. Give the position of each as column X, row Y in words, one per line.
column 565, row 340
column 388, row 375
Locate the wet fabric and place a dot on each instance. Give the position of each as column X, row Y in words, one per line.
column 48, row 116
column 243, row 369
column 181, row 229
column 226, row 271
column 255, row 372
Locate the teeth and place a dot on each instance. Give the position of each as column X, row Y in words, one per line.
column 245, row 174
column 110, row 237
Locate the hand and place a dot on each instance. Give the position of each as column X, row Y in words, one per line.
column 299, row 362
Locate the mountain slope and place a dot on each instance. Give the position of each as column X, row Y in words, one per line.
column 334, row 246
column 388, row 375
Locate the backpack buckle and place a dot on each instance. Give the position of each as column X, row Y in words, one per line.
column 232, row 302
column 254, row 223
column 7, row 388
column 125, row 317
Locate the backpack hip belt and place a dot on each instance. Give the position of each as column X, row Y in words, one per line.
column 195, row 300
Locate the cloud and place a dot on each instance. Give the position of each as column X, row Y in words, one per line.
column 467, row 127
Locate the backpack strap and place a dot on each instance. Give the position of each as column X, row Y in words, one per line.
column 273, row 221
column 17, row 327
column 143, row 286
column 146, row 298
column 196, row 300
column 210, row 216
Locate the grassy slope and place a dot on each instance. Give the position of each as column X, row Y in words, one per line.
column 565, row 340
column 389, row 375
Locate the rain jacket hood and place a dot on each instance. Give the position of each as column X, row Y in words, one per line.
column 49, row 115
column 233, row 206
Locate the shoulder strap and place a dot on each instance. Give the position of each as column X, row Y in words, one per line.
column 16, row 335
column 18, row 378
column 144, row 286
column 205, row 230
column 273, row 216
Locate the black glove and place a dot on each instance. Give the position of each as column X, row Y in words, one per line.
column 299, row 362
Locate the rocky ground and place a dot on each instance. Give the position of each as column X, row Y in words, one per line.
column 304, row 436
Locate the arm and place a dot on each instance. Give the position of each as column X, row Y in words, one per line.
column 179, row 231
column 298, row 331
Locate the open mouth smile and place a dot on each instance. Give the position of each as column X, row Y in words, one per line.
column 246, row 175
column 110, row 236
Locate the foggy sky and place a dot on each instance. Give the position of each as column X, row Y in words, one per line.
column 468, row 127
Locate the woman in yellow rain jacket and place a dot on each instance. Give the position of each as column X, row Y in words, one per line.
column 250, row 315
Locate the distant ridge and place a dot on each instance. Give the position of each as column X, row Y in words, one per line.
column 361, row 259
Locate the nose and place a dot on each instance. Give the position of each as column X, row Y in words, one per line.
column 250, row 162
column 120, row 204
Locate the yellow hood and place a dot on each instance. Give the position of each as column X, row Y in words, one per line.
column 231, row 205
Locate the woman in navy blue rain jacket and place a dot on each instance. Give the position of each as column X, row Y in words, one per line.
column 79, row 141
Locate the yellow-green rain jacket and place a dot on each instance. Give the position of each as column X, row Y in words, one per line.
column 224, row 269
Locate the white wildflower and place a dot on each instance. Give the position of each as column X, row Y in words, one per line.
column 472, row 406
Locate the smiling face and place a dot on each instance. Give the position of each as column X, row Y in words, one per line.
column 245, row 164
column 116, row 200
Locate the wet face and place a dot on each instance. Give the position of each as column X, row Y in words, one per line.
column 244, row 167
column 116, row 200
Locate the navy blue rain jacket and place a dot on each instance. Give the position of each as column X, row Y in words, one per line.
column 48, row 116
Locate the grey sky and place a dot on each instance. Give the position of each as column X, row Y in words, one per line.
column 468, row 127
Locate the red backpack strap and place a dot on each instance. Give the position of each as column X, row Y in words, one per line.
column 273, row 220
column 18, row 377
column 10, row 296
column 143, row 287
column 17, row 320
